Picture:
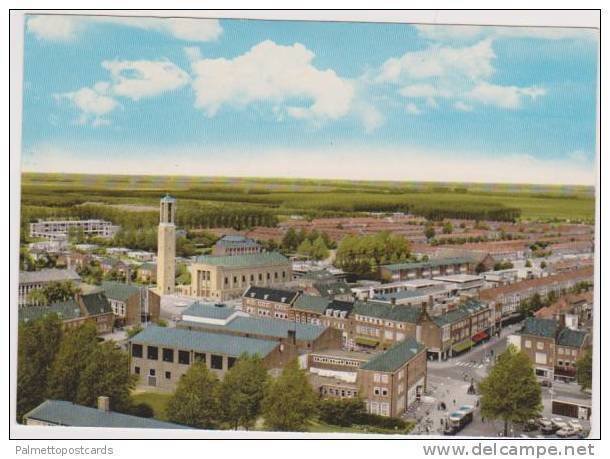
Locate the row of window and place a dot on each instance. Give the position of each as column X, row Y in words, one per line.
column 336, row 361
column 382, row 391
column 339, row 392
column 276, row 276
column 184, row 357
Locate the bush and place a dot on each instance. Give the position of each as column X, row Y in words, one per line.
column 382, row 421
column 142, row 410
column 349, row 411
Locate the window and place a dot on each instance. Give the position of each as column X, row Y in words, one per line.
column 541, row 358
column 251, row 277
column 199, row 357
column 540, row 345
column 384, row 379
column 235, row 279
column 260, row 276
column 231, row 361
column 216, row 362
column 152, row 352
column 268, row 276
column 152, row 372
column 137, row 370
column 528, row 344
column 384, row 392
column 168, row 375
column 560, row 350
column 376, row 391
column 226, row 281
column 136, row 350
column 184, row 357
column 168, row 355
column 275, row 275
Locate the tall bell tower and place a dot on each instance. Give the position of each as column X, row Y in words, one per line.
column 166, row 246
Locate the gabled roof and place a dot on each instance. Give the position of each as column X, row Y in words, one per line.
column 571, row 338
column 96, row 303
column 319, row 275
column 332, row 289
column 236, row 240
column 245, row 261
column 317, row 304
column 395, row 357
column 387, row 311
column 539, row 327
column 119, row 291
column 64, row 413
column 275, row 295
column 65, row 310
column 148, row 266
column 200, row 341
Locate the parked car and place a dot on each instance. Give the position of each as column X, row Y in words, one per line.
column 530, row 425
column 546, row 383
column 575, row 424
column 560, row 423
column 566, row 432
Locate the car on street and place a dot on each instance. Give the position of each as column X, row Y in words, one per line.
column 547, row 427
column 566, row 432
column 530, row 425
column 559, row 423
column 575, row 424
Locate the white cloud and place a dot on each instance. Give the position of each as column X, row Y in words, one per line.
column 269, row 72
column 473, row 62
column 453, row 33
column 193, row 53
column 463, row 107
column 460, row 73
column 92, row 103
column 412, row 109
column 370, row 117
column 66, row 27
column 510, row 97
column 53, row 28
column 138, row 79
column 578, row 156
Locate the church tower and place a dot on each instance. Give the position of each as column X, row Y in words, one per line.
column 166, row 246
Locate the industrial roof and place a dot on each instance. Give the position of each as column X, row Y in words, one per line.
column 64, row 413
column 209, row 310
column 200, row 341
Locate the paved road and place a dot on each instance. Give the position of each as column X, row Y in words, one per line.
column 449, row 381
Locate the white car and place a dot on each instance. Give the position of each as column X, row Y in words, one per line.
column 558, row 422
column 575, row 424
column 565, row 432
column 544, row 422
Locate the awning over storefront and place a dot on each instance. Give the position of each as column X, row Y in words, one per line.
column 480, row 336
column 462, row 346
column 364, row 341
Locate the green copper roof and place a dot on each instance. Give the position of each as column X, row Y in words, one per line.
column 317, row 304
column 539, row 327
column 66, row 310
column 395, row 357
column 571, row 338
column 387, row 311
column 119, row 291
column 200, row 341
column 245, row 261
column 64, row 413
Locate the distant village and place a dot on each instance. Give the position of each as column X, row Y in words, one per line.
column 374, row 336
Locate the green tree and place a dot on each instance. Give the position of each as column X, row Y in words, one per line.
column 305, row 248
column 290, row 402
column 447, row 228
column 528, row 263
column 106, row 373
column 242, row 391
column 53, row 292
column 543, row 264
column 364, row 254
column 290, row 240
column 195, row 402
column 584, row 370
column 38, row 344
column 75, row 351
column 319, row 250
column 429, row 232
column 511, row 392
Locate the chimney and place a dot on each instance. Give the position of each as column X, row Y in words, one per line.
column 561, row 320
column 292, row 337
column 103, row 403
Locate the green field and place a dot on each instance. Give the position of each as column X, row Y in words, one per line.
column 264, row 201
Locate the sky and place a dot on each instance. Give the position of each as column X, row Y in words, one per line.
column 309, row 99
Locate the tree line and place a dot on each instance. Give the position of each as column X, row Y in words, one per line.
column 364, row 254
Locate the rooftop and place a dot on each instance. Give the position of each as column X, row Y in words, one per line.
column 571, row 338
column 244, row 261
column 387, row 311
column 459, row 278
column 432, row 263
column 539, row 327
column 271, row 294
column 69, row 414
column 209, row 310
column 200, row 341
column 395, row 357
column 119, row 291
column 47, row 275
column 66, row 310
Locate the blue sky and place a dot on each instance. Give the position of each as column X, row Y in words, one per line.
column 309, row 99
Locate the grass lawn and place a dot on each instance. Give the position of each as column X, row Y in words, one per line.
column 156, row 400
column 322, row 427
